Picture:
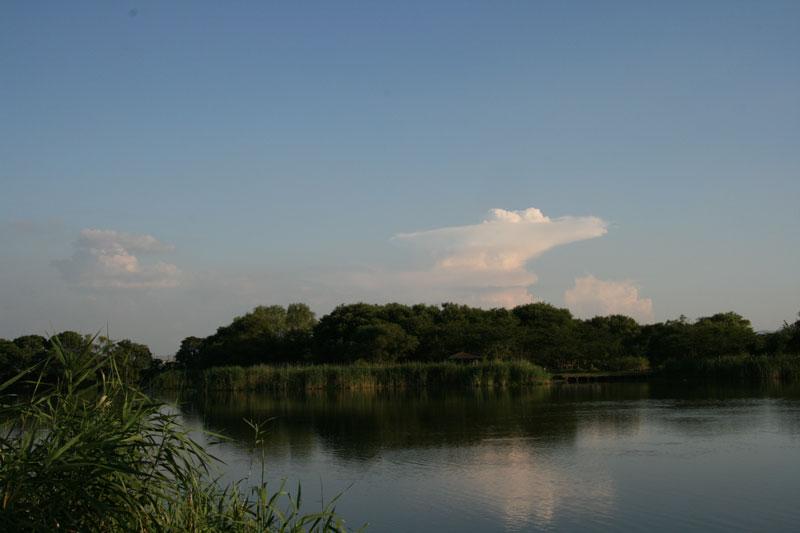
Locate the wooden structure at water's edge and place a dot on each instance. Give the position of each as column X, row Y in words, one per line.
column 590, row 377
column 464, row 357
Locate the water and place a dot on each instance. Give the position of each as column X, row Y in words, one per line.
column 589, row 457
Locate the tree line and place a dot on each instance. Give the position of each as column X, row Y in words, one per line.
column 539, row 332
column 134, row 361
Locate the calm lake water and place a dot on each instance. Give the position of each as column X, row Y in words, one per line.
column 602, row 457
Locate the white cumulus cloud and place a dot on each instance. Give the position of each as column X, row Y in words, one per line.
column 105, row 259
column 592, row 297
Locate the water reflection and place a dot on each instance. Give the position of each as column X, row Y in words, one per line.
column 655, row 456
column 526, row 487
column 358, row 426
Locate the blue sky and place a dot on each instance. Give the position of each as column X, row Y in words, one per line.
column 275, row 149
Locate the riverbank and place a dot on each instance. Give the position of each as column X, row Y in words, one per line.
column 485, row 374
column 741, row 368
column 594, row 377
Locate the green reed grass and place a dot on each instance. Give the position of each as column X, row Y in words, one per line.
column 744, row 367
column 398, row 376
column 92, row 453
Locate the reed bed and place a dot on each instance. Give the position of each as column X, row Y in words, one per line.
column 753, row 368
column 398, row 376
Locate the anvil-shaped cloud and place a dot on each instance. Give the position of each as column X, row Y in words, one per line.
column 505, row 241
column 485, row 263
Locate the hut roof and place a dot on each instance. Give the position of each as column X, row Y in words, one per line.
column 464, row 356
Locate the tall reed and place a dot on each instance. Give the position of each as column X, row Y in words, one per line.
column 396, row 376
column 760, row 368
column 92, row 453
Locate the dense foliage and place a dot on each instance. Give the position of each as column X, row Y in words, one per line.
column 135, row 361
column 394, row 333
column 540, row 333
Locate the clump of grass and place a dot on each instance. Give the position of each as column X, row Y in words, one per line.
column 90, row 452
column 388, row 376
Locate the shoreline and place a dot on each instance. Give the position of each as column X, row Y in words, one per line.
column 454, row 376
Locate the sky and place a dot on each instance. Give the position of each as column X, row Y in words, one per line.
column 166, row 166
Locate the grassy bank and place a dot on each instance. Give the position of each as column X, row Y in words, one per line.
column 92, row 453
column 741, row 368
column 454, row 376
column 400, row 376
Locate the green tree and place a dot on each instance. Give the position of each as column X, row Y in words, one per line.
column 722, row 334
column 256, row 337
column 35, row 347
column 73, row 341
column 668, row 340
column 383, row 341
column 134, row 359
column 22, row 353
column 605, row 339
column 336, row 336
column 791, row 333
column 188, row 355
column 299, row 317
column 11, row 359
column 549, row 335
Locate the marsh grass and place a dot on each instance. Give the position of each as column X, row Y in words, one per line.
column 92, row 453
column 396, row 376
column 744, row 367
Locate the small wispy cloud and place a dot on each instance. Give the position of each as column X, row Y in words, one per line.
column 108, row 239
column 595, row 297
column 106, row 259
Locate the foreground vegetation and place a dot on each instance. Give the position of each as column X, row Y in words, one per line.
column 87, row 451
column 396, row 376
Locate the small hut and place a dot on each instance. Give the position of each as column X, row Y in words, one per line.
column 464, row 357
